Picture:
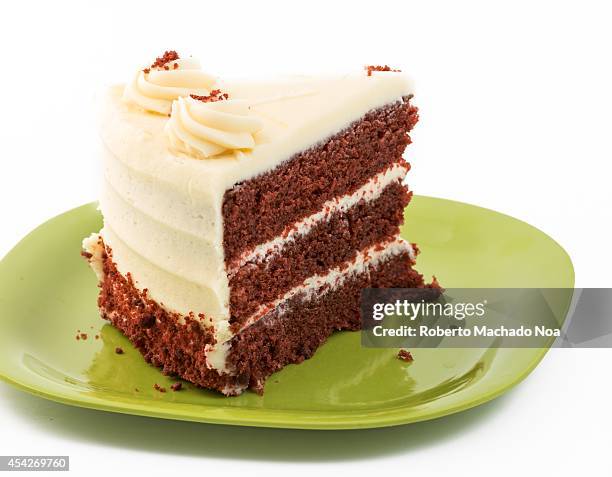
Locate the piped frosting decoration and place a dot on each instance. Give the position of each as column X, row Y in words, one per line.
column 208, row 126
column 168, row 78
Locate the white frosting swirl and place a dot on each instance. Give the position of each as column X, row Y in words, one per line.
column 204, row 130
column 156, row 89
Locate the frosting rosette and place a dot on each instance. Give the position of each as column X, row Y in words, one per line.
column 154, row 88
column 205, row 129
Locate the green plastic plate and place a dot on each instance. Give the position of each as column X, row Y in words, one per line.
column 48, row 293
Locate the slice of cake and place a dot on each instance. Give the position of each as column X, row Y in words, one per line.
column 242, row 219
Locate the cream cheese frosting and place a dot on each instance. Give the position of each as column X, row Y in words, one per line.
column 163, row 208
column 204, row 129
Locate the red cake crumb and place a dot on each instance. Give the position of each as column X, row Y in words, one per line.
column 162, row 61
column 119, row 350
column 83, row 336
column 215, row 95
column 371, row 68
column 405, row 355
column 176, row 386
column 77, row 337
column 159, row 388
column 97, row 337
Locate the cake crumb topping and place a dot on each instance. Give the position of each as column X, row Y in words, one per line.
column 159, row 388
column 162, row 61
column 215, row 95
column 176, row 386
column 405, row 355
column 371, row 68
column 118, row 350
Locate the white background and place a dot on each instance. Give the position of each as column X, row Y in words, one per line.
column 516, row 109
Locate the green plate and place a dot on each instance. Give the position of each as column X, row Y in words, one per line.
column 48, row 293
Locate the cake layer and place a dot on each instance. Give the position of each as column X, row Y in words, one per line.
column 259, row 209
column 287, row 334
column 329, row 243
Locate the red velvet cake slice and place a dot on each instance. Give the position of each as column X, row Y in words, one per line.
column 243, row 219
